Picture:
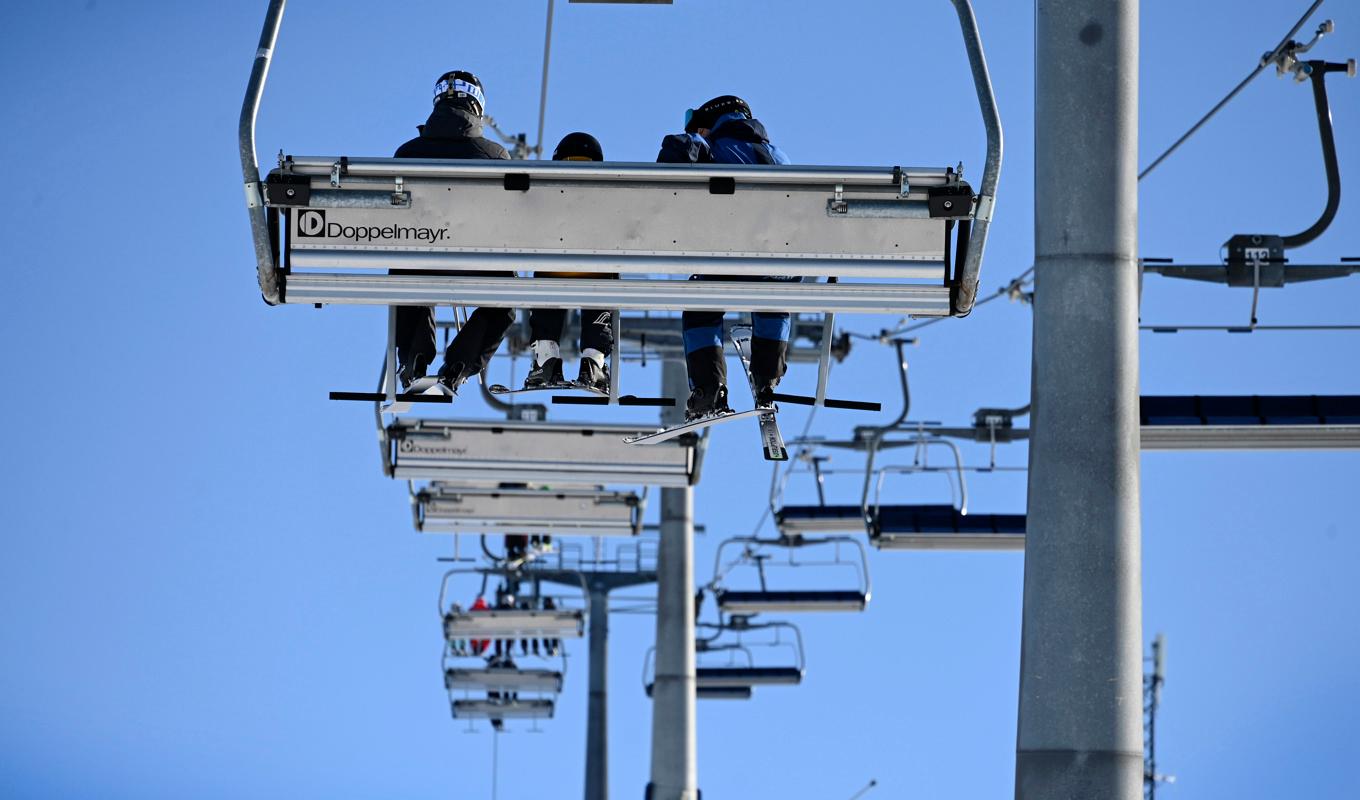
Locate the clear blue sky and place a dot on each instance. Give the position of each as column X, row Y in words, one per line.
column 211, row 591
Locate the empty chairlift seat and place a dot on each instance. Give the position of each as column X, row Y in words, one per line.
column 716, row 692
column 498, row 679
column 774, row 600
column 1250, row 422
column 795, row 520
column 943, row 527
column 715, row 677
column 490, row 453
column 514, row 623
column 451, row 508
column 503, row 709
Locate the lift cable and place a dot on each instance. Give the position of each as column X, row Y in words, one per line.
column 1265, row 61
column 1014, row 289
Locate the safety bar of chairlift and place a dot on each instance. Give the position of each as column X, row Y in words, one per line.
column 964, row 291
column 502, row 678
column 788, row 599
column 747, row 626
column 503, row 709
column 921, row 442
column 656, row 336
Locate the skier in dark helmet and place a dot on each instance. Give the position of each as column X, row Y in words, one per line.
column 723, row 131
column 453, row 130
column 546, row 324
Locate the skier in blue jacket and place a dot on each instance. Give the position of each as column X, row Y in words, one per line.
column 723, row 131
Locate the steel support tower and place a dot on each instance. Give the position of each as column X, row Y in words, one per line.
column 675, row 771
column 1080, row 720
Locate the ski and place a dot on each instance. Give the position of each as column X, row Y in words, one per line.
column 564, row 386
column 770, row 438
column 686, row 427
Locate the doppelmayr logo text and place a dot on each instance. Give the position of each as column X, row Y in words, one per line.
column 312, row 224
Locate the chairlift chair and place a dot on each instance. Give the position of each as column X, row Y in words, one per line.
column 750, row 673
column 895, row 526
column 454, row 508
column 508, row 623
column 733, row 680
column 766, row 599
column 348, row 230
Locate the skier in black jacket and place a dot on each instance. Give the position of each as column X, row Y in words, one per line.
column 546, row 324
column 454, row 130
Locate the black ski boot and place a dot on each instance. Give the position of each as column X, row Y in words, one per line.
column 705, row 402
column 454, row 375
column 593, row 376
column 764, row 390
column 411, row 371
column 544, row 375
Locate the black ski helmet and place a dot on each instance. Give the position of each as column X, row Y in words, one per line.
column 578, row 146
column 463, row 89
column 707, row 114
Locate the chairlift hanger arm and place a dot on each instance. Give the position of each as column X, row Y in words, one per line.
column 265, row 239
column 965, row 290
column 1317, row 72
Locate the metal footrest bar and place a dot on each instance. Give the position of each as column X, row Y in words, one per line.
column 643, row 294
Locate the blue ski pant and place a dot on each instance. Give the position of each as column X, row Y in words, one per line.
column 703, row 334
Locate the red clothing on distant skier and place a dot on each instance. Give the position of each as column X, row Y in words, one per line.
column 479, row 605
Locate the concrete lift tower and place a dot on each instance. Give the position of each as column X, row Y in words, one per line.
column 1080, row 718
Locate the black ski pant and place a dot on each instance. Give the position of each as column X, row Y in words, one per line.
column 597, row 325
column 476, row 342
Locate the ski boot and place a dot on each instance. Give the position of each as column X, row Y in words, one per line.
column 593, row 377
column 764, row 389
column 408, row 372
column 453, row 375
column 545, row 375
column 706, row 402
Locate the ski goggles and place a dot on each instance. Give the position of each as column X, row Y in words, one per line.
column 459, row 86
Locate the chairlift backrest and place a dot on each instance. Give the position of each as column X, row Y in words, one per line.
column 514, row 623
column 537, row 708
column 450, row 508
column 556, row 454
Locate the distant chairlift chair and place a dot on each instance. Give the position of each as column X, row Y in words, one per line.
column 765, row 599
